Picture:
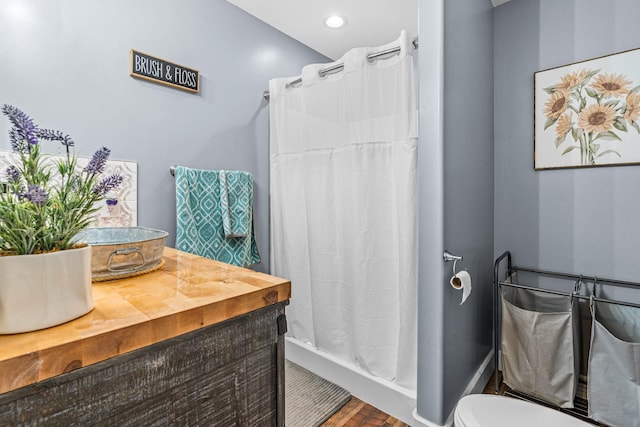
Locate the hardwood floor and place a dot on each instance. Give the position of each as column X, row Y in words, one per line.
column 490, row 388
column 504, row 390
column 357, row 413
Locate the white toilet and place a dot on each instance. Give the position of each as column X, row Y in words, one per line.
column 486, row 410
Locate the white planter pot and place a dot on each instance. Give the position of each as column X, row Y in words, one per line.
column 44, row 290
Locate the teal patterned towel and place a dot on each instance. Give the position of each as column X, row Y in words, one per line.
column 200, row 224
column 236, row 192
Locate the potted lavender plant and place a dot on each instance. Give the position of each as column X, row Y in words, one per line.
column 45, row 273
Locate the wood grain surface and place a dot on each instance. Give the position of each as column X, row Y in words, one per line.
column 220, row 375
column 189, row 293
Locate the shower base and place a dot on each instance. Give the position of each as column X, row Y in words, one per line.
column 396, row 401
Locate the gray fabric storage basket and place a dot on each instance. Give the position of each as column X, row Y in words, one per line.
column 540, row 344
column 613, row 387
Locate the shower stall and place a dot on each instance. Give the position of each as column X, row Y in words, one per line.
column 343, row 151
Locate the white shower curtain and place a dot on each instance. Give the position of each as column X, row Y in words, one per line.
column 343, row 209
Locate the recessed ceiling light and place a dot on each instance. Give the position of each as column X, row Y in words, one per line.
column 335, row 21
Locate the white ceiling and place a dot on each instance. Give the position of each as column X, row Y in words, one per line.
column 370, row 23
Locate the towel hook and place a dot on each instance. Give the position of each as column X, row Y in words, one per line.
column 448, row 256
column 172, row 170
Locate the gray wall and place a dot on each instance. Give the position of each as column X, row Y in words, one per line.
column 468, row 188
column 572, row 220
column 477, row 141
column 66, row 63
column 456, row 199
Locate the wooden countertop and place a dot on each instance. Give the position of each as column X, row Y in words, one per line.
column 188, row 293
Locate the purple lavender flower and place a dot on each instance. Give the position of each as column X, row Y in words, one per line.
column 16, row 141
column 97, row 162
column 13, row 178
column 36, row 195
column 107, row 184
column 23, row 127
column 44, row 222
column 13, row 174
column 55, row 135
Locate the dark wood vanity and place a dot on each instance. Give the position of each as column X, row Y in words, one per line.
column 196, row 342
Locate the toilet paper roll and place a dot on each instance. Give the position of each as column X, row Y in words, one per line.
column 462, row 280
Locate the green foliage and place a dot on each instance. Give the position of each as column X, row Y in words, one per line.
column 47, row 203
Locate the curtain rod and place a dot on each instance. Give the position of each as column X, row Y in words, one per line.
column 338, row 67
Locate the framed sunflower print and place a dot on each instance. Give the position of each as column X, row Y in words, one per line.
column 588, row 113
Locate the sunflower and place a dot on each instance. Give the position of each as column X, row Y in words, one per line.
column 557, row 104
column 633, row 107
column 571, row 80
column 611, row 84
column 596, row 118
column 563, row 125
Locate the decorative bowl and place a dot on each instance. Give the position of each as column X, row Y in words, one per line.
column 123, row 251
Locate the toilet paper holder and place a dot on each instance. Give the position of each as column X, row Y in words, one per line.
column 448, row 256
column 461, row 281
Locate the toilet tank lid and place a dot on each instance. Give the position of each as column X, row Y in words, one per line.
column 497, row 411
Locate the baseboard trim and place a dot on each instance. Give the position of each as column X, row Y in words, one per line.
column 476, row 385
column 422, row 422
column 482, row 376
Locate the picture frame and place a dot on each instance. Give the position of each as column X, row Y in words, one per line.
column 587, row 114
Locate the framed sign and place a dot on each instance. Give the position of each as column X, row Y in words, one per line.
column 144, row 66
column 588, row 113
